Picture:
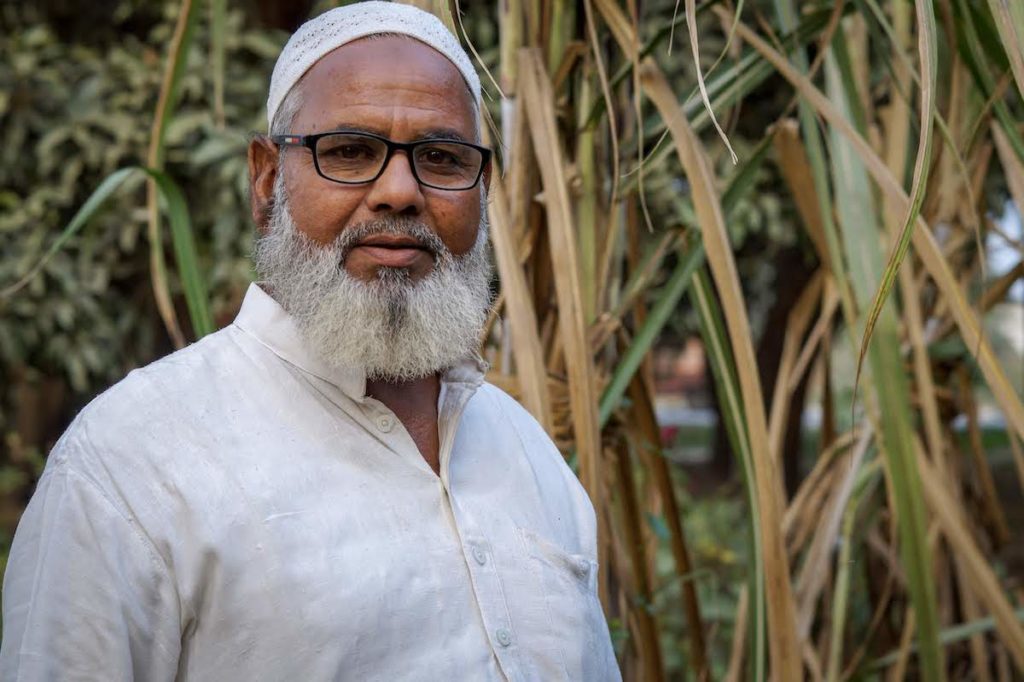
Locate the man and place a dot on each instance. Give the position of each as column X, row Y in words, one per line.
column 325, row 489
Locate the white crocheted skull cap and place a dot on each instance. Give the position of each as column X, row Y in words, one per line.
column 332, row 29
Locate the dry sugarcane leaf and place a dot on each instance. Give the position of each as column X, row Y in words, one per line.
column 818, row 335
column 617, row 23
column 971, row 612
column 796, row 327
column 924, row 241
column 539, row 102
column 1018, row 458
column 983, row 580
column 1012, row 166
column 739, row 636
column 691, row 24
column 1009, row 19
column 526, row 348
column 898, row 673
column 796, row 171
column 806, row 517
column 813, row 483
column 785, row 652
column 811, row 580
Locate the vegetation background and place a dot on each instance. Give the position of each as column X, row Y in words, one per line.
column 876, row 192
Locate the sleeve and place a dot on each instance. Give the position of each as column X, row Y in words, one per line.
column 86, row 595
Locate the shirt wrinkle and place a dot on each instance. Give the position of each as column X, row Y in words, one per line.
column 265, row 523
column 69, row 470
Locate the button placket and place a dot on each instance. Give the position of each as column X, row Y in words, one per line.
column 488, row 591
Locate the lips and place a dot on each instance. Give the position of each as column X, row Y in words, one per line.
column 392, row 241
column 391, row 250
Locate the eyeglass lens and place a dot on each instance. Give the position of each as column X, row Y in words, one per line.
column 350, row 157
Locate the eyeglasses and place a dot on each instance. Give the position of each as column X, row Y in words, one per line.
column 354, row 158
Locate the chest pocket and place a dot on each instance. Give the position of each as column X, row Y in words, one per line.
column 575, row 620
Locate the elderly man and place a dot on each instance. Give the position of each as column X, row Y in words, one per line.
column 326, row 489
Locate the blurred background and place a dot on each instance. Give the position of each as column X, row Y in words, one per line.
column 688, row 327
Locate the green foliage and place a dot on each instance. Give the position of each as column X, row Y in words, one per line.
column 72, row 112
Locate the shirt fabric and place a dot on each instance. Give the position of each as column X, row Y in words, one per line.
column 241, row 511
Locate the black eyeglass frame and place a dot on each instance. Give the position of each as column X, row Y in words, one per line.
column 309, row 142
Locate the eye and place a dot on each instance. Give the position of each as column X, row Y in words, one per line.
column 437, row 156
column 352, row 151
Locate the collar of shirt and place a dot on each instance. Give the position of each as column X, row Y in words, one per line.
column 264, row 319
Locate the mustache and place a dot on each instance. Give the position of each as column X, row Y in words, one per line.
column 409, row 228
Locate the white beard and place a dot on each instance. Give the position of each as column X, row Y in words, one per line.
column 393, row 328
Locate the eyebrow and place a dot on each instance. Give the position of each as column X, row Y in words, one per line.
column 430, row 134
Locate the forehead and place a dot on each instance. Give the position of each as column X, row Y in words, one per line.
column 382, row 83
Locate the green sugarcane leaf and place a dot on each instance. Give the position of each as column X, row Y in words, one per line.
column 108, row 186
column 927, row 83
column 186, row 257
column 187, row 260
column 218, row 14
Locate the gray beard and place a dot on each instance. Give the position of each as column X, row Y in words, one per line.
column 393, row 328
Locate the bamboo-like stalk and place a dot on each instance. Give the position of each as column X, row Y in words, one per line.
column 177, row 54
column 647, row 629
column 525, row 340
column 856, row 216
column 218, row 29
column 643, row 411
column 536, row 90
column 784, row 651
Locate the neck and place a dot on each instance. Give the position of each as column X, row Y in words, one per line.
column 415, row 404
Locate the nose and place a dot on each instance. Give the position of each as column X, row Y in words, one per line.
column 396, row 189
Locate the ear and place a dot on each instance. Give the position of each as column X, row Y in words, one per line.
column 263, row 156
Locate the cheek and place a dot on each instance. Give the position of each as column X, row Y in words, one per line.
column 320, row 212
column 457, row 223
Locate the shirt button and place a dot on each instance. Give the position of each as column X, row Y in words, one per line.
column 503, row 636
column 480, row 556
column 385, row 423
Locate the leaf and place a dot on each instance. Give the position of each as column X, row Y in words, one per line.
column 926, row 50
column 526, row 346
column 174, row 69
column 108, row 186
column 666, row 302
column 192, row 281
column 927, row 249
column 218, row 13
column 539, row 103
column 1009, row 19
column 785, row 656
column 691, row 22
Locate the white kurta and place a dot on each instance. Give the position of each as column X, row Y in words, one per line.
column 239, row 511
